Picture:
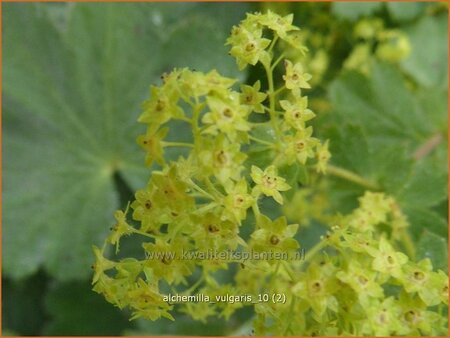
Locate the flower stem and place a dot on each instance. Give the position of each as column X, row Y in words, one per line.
column 269, row 144
column 255, row 209
column 279, row 90
column 177, row 144
column 271, row 92
column 213, row 189
column 408, row 244
column 195, row 116
column 277, row 61
column 200, row 190
column 291, row 311
column 274, row 41
column 352, row 177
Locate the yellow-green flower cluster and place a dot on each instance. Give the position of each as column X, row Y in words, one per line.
column 356, row 281
column 200, row 202
column 376, row 41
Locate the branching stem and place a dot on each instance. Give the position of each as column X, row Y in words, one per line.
column 352, row 177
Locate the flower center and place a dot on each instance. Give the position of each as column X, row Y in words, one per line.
column 390, row 260
column 410, row 316
column 316, row 286
column 212, row 228
column 269, row 181
column 419, row 275
column 362, row 280
column 250, row 47
column 160, row 105
column 227, row 113
column 165, row 260
column 238, row 200
column 300, row 145
column 221, row 157
column 274, row 240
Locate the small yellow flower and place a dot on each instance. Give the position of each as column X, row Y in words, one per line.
column 269, row 183
column 226, row 115
column 274, row 235
column 323, row 156
column 161, row 106
column 121, row 228
column 248, row 47
column 251, row 96
column 151, row 142
column 237, row 201
column 301, row 146
column 297, row 112
column 280, row 25
column 295, row 77
column 101, row 264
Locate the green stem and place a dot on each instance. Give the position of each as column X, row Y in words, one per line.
column 279, row 90
column 139, row 232
column 195, row 285
column 200, row 190
column 206, row 207
column 277, row 61
column 273, row 117
column 274, row 41
column 269, row 144
column 351, row 176
column 213, row 189
column 255, row 209
column 183, row 118
column 289, row 321
column 288, row 270
column 195, row 116
column 314, row 250
column 408, row 243
column 177, row 144
column 274, row 274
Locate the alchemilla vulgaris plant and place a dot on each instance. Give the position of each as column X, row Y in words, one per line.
column 356, row 281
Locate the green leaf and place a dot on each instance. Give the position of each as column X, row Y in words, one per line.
column 354, row 10
column 434, row 103
column 394, row 168
column 204, row 29
column 71, row 99
column 433, row 247
column 428, row 62
column 23, row 305
column 184, row 325
column 391, row 124
column 290, row 173
column 391, row 114
column 77, row 311
column 405, row 11
column 382, row 104
column 427, row 187
column 350, row 149
column 424, row 219
column 303, row 175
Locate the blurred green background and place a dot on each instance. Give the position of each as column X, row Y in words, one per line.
column 74, row 76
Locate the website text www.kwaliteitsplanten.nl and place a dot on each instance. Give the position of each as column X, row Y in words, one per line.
column 227, row 255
